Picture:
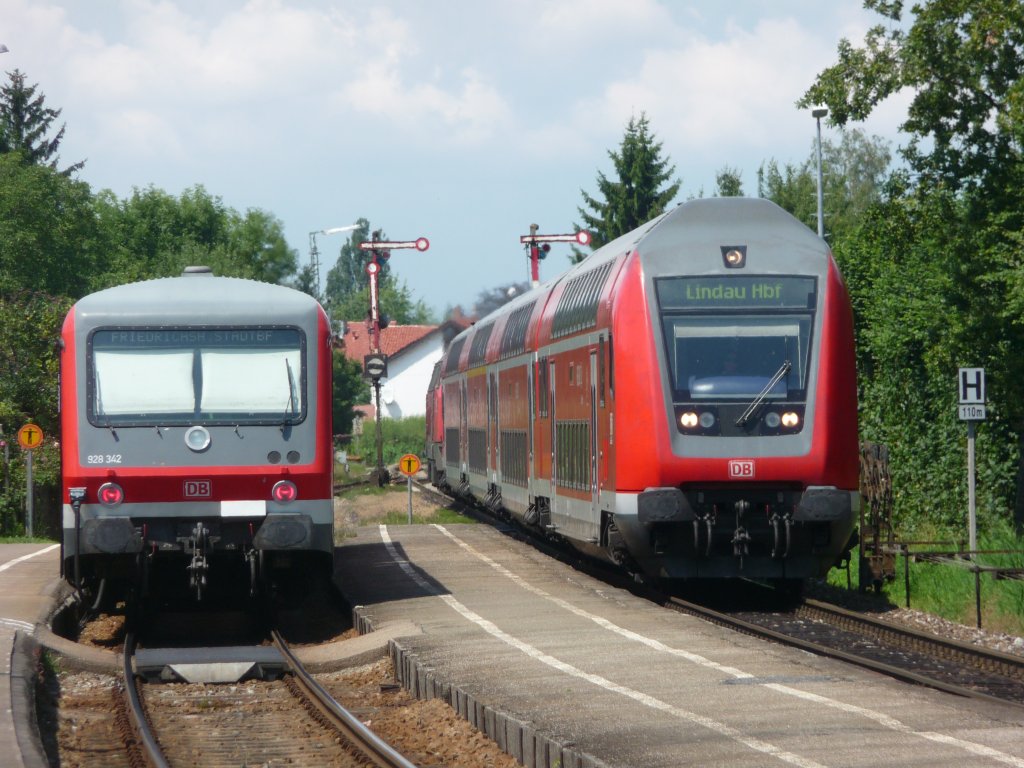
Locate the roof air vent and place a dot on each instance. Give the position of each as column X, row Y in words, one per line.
column 197, row 271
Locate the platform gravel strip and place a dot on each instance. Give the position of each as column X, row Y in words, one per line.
column 532, row 747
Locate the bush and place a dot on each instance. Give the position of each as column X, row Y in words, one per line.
column 399, row 437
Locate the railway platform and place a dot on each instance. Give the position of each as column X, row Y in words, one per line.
column 563, row 670
column 29, row 585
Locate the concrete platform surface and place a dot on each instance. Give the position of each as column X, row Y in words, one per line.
column 28, row 579
column 563, row 670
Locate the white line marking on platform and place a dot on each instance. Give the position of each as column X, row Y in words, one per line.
column 879, row 717
column 29, row 556
column 538, row 655
column 17, row 624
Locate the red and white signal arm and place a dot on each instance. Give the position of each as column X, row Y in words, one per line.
column 583, row 237
column 372, row 268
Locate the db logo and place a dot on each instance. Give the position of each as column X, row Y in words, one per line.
column 741, row 469
column 198, row 489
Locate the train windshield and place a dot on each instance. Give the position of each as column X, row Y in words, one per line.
column 728, row 337
column 159, row 376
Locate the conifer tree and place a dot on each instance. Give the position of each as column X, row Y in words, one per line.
column 25, row 122
column 636, row 195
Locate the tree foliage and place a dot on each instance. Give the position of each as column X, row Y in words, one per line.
column 50, row 239
column 934, row 266
column 350, row 388
column 348, row 275
column 25, row 122
column 636, row 194
column 728, row 182
column 491, row 299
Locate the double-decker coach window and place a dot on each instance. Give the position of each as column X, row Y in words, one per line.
column 726, row 337
column 188, row 375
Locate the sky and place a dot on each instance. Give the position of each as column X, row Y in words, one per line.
column 462, row 121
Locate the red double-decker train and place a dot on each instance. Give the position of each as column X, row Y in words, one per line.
column 681, row 402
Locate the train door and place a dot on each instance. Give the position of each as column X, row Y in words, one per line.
column 531, row 417
column 463, row 429
column 494, row 450
column 594, row 461
column 554, row 432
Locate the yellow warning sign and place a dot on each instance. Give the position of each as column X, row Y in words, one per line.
column 409, row 464
column 30, row 436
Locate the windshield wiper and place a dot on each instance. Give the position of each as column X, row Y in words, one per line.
column 756, row 403
column 289, row 407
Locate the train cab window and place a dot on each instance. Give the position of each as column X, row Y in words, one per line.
column 728, row 338
column 141, row 376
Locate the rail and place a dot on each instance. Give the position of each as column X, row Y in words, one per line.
column 377, row 750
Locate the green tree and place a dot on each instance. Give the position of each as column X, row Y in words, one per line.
column 395, row 302
column 158, row 235
column 28, row 372
column 854, row 173
column 963, row 62
column 50, row 240
column 350, row 389
column 728, row 182
column 636, row 195
column 25, row 122
column 348, row 275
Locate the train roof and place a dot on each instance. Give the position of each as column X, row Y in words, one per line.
column 196, row 298
column 699, row 227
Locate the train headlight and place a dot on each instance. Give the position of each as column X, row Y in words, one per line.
column 734, row 256
column 790, row 419
column 707, row 420
column 772, row 420
column 110, row 494
column 284, row 491
column 197, row 438
column 688, row 420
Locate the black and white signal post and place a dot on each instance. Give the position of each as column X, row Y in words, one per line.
column 375, row 364
column 971, row 388
column 539, row 245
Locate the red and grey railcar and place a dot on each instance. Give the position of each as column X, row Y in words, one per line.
column 196, row 434
column 682, row 402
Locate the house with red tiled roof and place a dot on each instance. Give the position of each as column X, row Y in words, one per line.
column 412, row 351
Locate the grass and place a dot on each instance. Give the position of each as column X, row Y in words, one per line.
column 26, row 540
column 949, row 590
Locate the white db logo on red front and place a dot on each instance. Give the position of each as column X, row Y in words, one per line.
column 741, row 469
column 198, row 489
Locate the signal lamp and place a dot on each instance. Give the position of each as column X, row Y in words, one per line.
column 790, row 419
column 110, row 494
column 688, row 420
column 284, row 491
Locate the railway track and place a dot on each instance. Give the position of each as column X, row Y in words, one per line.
column 828, row 630
column 291, row 720
column 900, row 652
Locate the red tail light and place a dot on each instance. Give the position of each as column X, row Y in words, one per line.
column 284, row 491
column 110, row 494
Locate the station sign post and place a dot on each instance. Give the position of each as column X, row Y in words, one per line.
column 30, row 437
column 971, row 389
column 409, row 465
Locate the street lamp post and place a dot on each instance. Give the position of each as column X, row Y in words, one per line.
column 314, row 254
column 818, row 114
